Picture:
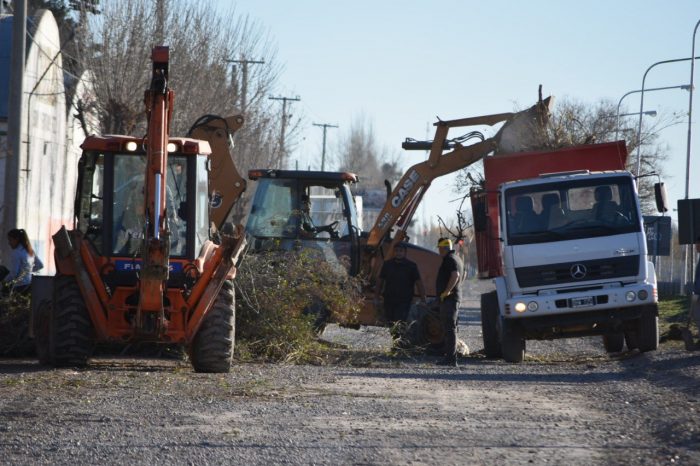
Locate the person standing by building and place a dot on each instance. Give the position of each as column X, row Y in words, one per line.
column 690, row 345
column 447, row 287
column 398, row 278
column 23, row 261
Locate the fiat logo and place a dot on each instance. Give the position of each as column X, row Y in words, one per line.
column 578, row 271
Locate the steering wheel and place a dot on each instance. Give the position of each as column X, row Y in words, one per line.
column 330, row 229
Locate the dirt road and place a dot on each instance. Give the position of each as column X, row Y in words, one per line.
column 569, row 403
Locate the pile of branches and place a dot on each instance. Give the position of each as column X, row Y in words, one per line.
column 14, row 326
column 285, row 298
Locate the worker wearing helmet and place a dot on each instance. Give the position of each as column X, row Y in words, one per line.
column 447, row 287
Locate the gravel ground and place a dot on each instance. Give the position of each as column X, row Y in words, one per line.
column 568, row 403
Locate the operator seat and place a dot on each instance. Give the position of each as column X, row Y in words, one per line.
column 552, row 215
column 525, row 219
column 605, row 209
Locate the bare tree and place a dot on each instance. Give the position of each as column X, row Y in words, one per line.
column 359, row 152
column 202, row 43
column 574, row 123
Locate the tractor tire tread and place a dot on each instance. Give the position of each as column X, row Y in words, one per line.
column 72, row 338
column 213, row 346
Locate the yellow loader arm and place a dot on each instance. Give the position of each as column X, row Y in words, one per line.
column 517, row 133
column 226, row 183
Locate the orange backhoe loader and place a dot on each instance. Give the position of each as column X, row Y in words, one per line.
column 149, row 257
column 293, row 209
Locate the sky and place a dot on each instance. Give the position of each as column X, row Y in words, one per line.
column 402, row 64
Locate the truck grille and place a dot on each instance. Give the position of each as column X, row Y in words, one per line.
column 573, row 272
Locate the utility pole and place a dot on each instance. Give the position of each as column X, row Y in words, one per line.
column 244, row 79
column 284, row 119
column 325, row 126
column 160, row 22
column 14, row 123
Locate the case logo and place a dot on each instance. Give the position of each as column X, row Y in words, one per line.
column 412, row 179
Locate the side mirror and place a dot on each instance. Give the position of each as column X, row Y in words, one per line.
column 660, row 197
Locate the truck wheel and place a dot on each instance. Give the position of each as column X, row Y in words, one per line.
column 614, row 343
column 212, row 347
column 631, row 340
column 648, row 330
column 489, row 324
column 512, row 343
column 42, row 333
column 71, row 338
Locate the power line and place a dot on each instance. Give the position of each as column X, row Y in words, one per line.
column 325, row 127
column 284, row 119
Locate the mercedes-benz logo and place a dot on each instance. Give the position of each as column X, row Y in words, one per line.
column 578, row 271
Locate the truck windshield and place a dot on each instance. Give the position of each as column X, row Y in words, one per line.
column 571, row 209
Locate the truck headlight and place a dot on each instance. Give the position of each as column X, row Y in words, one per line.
column 520, row 307
column 642, row 294
column 532, row 306
column 630, row 296
column 131, row 146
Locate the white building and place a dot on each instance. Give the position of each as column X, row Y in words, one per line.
column 50, row 137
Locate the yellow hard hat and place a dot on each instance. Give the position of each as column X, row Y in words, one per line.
column 445, row 243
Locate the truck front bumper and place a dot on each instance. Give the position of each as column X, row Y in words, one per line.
column 550, row 304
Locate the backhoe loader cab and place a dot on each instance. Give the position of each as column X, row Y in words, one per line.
column 110, row 201
column 306, row 210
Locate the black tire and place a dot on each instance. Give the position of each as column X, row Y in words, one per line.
column 489, row 325
column 71, row 335
column 512, row 343
column 648, row 329
column 42, row 333
column 614, row 343
column 631, row 340
column 212, row 348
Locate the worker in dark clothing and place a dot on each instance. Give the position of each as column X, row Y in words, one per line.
column 694, row 310
column 447, row 287
column 398, row 277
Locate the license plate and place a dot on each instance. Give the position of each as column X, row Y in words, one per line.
column 582, row 302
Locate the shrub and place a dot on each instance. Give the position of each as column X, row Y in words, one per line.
column 284, row 298
column 14, row 326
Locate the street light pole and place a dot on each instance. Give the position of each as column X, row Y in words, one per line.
column 619, row 103
column 641, row 103
column 688, row 250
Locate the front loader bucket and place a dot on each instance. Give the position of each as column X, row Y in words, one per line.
column 525, row 130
